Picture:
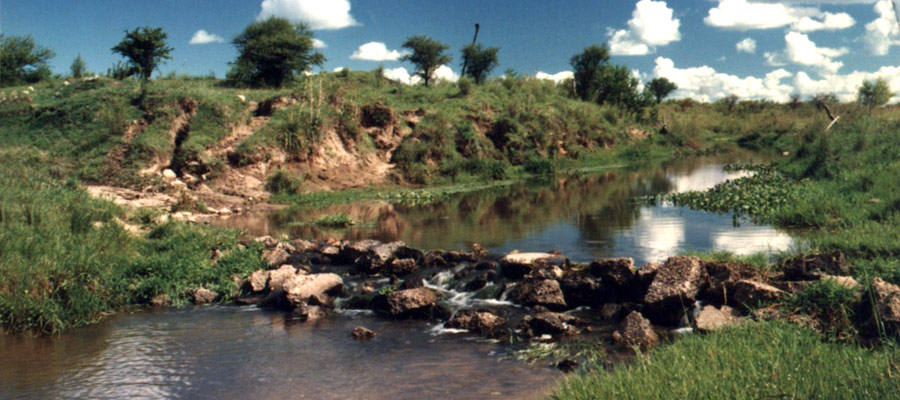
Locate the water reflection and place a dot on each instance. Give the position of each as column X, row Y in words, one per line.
column 585, row 217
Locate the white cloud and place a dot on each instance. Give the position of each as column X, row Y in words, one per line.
column 845, row 87
column 339, row 69
column 319, row 44
column 319, row 14
column 652, row 24
column 803, row 51
column 445, row 73
column 556, row 78
column 705, row 84
column 203, row 37
column 745, row 15
column 747, row 45
column 401, row 75
column 375, row 51
column 883, row 32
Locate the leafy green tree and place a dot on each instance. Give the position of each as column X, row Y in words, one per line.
column 661, row 88
column 479, row 61
column 272, row 53
column 145, row 48
column 78, row 67
column 23, row 61
column 589, row 67
column 874, row 93
column 427, row 54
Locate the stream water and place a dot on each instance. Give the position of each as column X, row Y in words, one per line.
column 244, row 352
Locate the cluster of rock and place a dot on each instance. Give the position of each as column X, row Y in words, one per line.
column 681, row 292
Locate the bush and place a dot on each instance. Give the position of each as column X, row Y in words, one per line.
column 282, row 183
column 539, row 166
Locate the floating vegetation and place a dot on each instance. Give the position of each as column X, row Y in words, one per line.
column 339, row 220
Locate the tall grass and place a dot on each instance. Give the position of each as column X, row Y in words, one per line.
column 748, row 361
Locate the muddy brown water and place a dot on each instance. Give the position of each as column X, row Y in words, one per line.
column 217, row 352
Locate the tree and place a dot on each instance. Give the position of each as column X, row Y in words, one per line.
column 874, row 93
column 272, row 53
column 145, row 48
column 661, row 88
column 478, row 61
column 589, row 66
column 23, row 61
column 78, row 67
column 427, row 54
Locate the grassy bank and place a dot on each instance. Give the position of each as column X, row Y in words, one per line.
column 66, row 260
column 749, row 361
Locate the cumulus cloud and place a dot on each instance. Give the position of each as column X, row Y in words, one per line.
column 652, row 24
column 327, row 14
column 883, row 32
column 375, row 51
column 746, row 15
column 556, row 78
column 400, row 74
column 319, row 44
column 846, row 86
column 801, row 50
column 203, row 37
column 747, row 45
column 706, row 84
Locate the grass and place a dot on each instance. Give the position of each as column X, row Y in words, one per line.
column 748, row 361
column 339, row 220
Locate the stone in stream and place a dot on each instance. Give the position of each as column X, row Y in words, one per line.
column 377, row 257
column 617, row 273
column 517, row 265
column 401, row 266
column 315, row 289
column 636, row 331
column 539, row 292
column 548, row 323
column 674, row 288
column 362, row 333
column 409, row 303
column 351, row 251
column 204, row 296
column 278, row 255
column 480, row 321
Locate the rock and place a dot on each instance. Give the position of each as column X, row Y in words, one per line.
column 362, row 333
column 435, row 259
column 674, row 288
column 310, row 313
column 402, row 266
column 844, row 281
column 648, row 272
column 160, row 300
column 278, row 255
column 615, row 311
column 550, row 323
column 411, row 303
column 169, row 174
column 267, row 241
column 582, row 289
column 618, row 272
column 887, row 301
column 711, row 318
column 635, row 331
column 543, row 292
column 722, row 276
column 258, row 281
column 178, row 185
column 351, row 251
column 814, row 265
column 304, row 246
column 567, row 365
column 516, row 265
column 378, row 256
column 750, row 293
column 204, row 296
column 314, row 289
column 480, row 321
column 278, row 277
column 456, row 256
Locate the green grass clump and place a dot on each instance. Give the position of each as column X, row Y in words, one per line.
column 748, row 361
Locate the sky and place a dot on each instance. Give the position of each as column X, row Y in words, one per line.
column 755, row 49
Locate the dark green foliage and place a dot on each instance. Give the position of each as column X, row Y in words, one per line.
column 272, row 53
column 479, row 61
column 661, row 88
column 120, row 71
column 23, row 61
column 145, row 48
column 339, row 220
column 599, row 81
column 874, row 93
column 282, row 183
column 78, row 67
column 539, row 166
column 427, row 55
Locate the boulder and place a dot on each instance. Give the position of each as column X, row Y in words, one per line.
column 258, row 281
column 722, row 276
column 516, row 265
column 887, row 301
column 812, row 266
column 582, row 289
column 304, row 246
column 711, row 318
column 277, row 277
column 480, row 321
column 277, row 255
column 314, row 289
column 435, row 259
column 674, row 287
column 539, row 292
column 411, row 303
column 204, row 296
column 310, row 313
column 267, row 241
column 619, row 272
column 377, row 257
column 549, row 323
column 362, row 333
column 351, row 251
column 635, row 331
column 647, row 273
column 751, row 293
column 402, row 266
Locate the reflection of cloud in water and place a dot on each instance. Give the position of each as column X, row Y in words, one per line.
column 702, row 178
column 657, row 235
column 751, row 239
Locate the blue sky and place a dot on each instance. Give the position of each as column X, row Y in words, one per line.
column 805, row 46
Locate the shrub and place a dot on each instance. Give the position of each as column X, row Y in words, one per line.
column 282, row 183
column 539, row 166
